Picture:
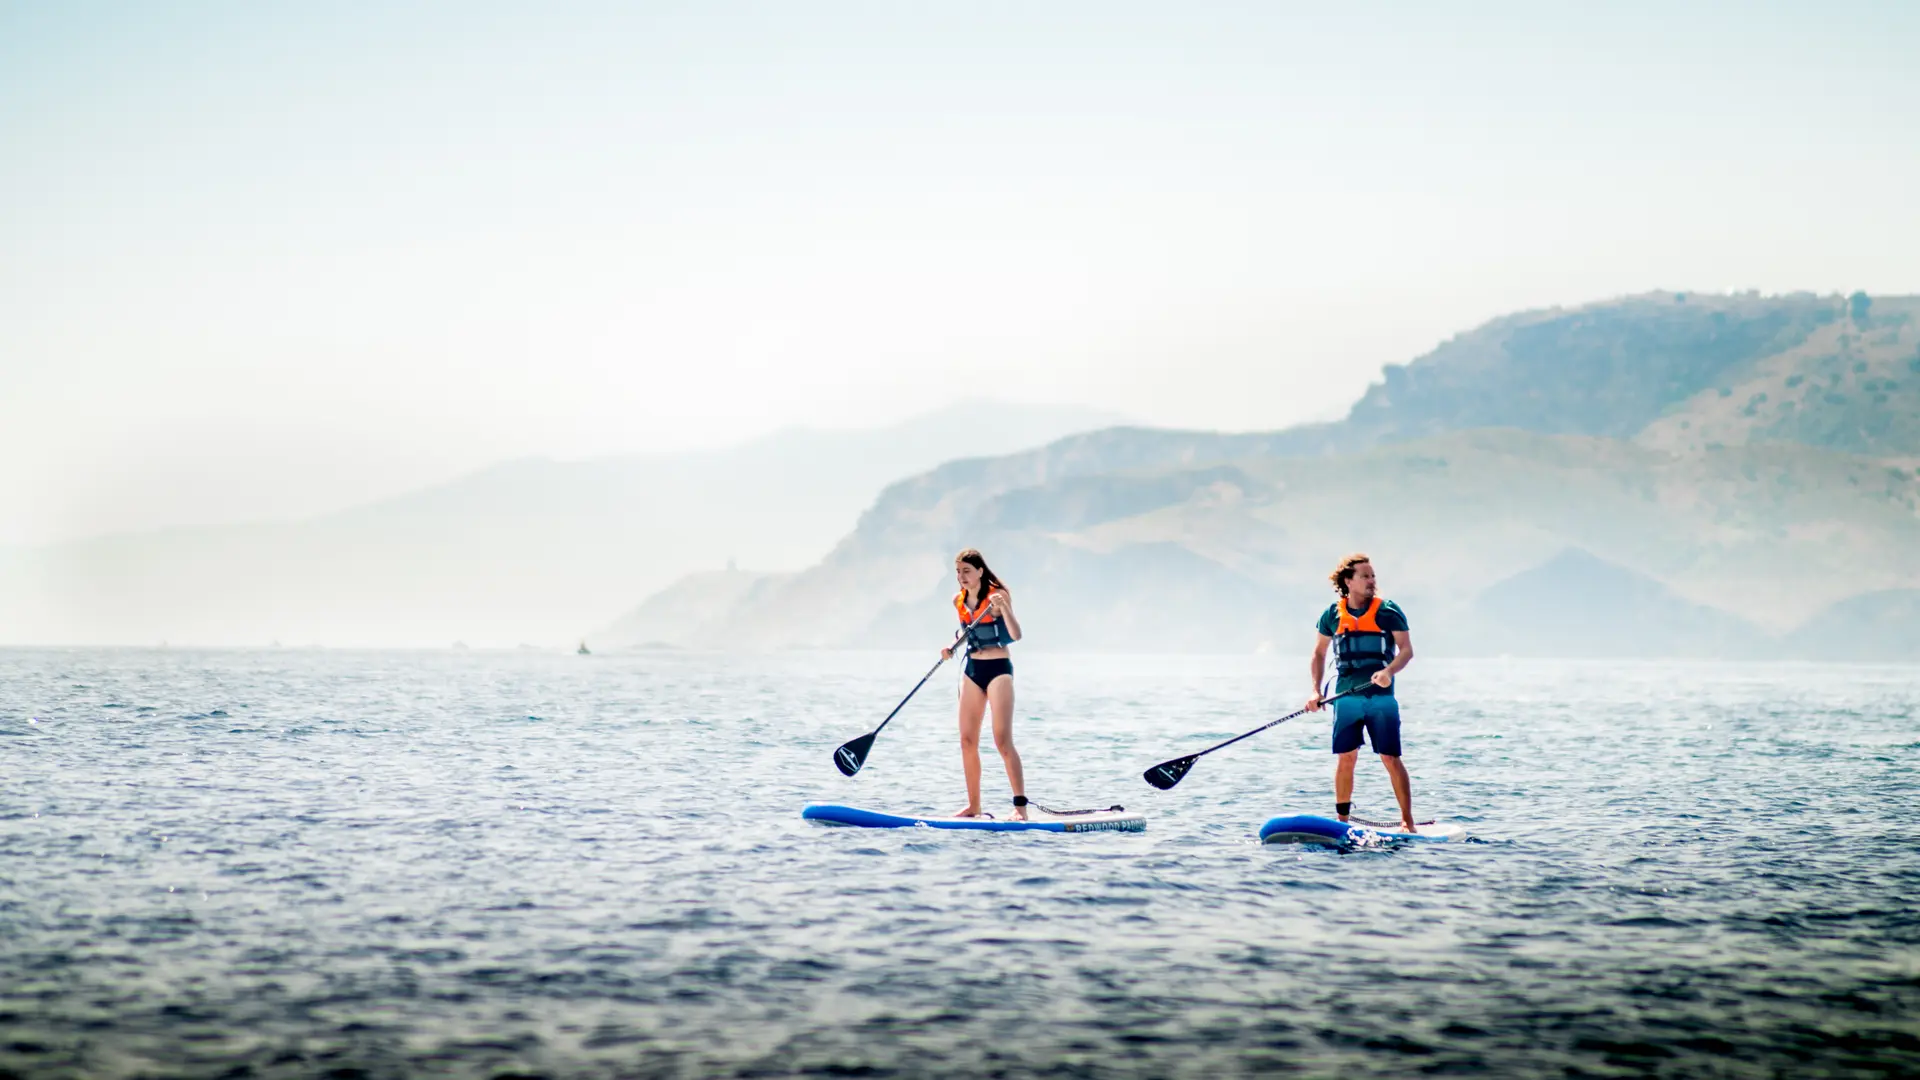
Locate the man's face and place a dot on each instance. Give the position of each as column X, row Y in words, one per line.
column 1360, row 585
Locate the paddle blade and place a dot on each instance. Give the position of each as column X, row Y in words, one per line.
column 1168, row 773
column 853, row 754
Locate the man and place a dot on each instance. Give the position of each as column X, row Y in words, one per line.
column 1370, row 646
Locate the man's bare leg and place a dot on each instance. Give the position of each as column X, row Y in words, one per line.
column 1343, row 778
column 1402, row 788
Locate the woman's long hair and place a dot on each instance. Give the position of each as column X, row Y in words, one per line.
column 989, row 580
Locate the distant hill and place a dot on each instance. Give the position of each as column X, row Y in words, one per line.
column 1706, row 516
column 533, row 550
column 1852, row 384
column 1232, row 555
column 1577, row 605
column 1723, row 461
column 1881, row 626
column 689, row 611
column 1681, row 370
column 1602, row 369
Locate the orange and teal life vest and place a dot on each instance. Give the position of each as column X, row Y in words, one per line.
column 1359, row 645
column 987, row 633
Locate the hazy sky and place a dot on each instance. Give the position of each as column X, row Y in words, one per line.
column 270, row 258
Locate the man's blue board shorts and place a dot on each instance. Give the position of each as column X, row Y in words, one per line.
column 1378, row 716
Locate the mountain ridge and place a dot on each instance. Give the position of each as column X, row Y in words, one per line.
column 1640, row 429
column 530, row 549
column 1765, row 533
column 1757, row 529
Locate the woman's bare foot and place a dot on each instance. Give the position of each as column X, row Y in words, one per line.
column 967, row 811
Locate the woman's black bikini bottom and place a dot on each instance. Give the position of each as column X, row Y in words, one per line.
column 983, row 672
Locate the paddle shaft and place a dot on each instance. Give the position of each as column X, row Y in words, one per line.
column 1276, row 723
column 931, row 670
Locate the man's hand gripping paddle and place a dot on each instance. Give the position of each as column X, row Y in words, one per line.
column 853, row 753
column 1168, row 773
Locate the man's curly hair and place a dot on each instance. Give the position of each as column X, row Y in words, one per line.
column 1344, row 572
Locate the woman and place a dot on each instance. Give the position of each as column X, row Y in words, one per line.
column 986, row 613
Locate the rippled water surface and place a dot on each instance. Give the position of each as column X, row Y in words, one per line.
column 388, row 864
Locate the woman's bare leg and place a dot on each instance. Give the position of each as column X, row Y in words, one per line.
column 1000, row 692
column 973, row 708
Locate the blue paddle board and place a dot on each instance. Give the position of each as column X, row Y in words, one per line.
column 1328, row 832
column 1038, row 820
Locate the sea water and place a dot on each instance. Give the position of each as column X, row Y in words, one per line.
column 305, row 863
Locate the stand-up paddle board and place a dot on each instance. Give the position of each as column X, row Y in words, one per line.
column 1038, row 820
column 1327, row 832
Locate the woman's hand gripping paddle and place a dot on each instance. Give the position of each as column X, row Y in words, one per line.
column 1168, row 773
column 853, row 753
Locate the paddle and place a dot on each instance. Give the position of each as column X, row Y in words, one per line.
column 853, row 753
column 1168, row 773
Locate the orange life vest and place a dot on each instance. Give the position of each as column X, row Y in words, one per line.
column 1367, row 621
column 1358, row 642
column 987, row 633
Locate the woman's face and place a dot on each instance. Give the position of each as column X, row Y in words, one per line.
column 967, row 574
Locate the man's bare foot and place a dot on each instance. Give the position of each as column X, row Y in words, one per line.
column 1407, row 826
